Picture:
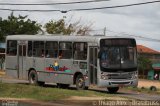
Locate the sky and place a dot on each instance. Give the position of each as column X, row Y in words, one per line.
column 143, row 20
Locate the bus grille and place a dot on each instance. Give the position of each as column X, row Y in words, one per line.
column 120, row 76
column 120, row 82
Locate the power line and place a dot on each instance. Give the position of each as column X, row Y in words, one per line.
column 65, row 11
column 141, row 37
column 128, row 35
column 31, row 10
column 77, row 2
column 120, row 6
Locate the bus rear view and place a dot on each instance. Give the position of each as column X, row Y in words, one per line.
column 118, row 63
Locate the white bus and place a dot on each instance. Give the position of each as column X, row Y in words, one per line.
column 103, row 61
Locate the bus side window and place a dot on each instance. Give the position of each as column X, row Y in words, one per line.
column 96, row 56
column 38, row 49
column 30, row 48
column 12, row 47
column 65, row 50
column 51, row 49
column 80, row 51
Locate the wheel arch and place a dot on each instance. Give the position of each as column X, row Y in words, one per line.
column 75, row 76
column 30, row 71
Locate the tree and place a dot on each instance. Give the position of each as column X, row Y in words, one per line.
column 61, row 27
column 18, row 25
column 144, row 64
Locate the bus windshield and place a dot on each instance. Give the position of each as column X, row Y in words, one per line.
column 118, row 54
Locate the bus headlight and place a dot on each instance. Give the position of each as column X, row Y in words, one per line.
column 135, row 75
column 104, row 77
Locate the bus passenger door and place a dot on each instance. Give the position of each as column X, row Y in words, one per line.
column 93, row 65
column 21, row 61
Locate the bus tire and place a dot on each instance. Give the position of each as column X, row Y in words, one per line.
column 86, row 88
column 80, row 82
column 113, row 89
column 64, row 86
column 33, row 77
column 40, row 83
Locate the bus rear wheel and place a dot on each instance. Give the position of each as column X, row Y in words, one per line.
column 80, row 82
column 40, row 83
column 33, row 78
column 113, row 89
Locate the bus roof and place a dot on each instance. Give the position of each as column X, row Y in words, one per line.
column 61, row 38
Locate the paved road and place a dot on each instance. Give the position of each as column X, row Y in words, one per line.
column 123, row 93
column 141, row 96
column 132, row 94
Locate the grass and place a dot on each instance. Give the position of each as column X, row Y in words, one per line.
column 43, row 93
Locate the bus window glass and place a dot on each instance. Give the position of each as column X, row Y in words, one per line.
column 12, row 47
column 22, row 50
column 80, row 51
column 65, row 50
column 51, row 49
column 29, row 48
column 38, row 49
column 95, row 54
column 128, row 56
column 118, row 54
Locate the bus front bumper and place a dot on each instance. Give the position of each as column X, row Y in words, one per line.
column 118, row 83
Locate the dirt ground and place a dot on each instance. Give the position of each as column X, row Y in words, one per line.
column 72, row 101
column 96, row 98
column 2, row 73
column 148, row 83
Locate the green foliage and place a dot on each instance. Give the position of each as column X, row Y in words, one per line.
column 22, row 25
column 18, row 25
column 61, row 27
column 57, row 27
column 144, row 63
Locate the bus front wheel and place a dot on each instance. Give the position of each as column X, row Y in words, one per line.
column 113, row 89
column 65, row 86
column 80, row 82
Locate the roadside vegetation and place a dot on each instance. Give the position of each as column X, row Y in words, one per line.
column 151, row 90
column 44, row 93
column 21, row 25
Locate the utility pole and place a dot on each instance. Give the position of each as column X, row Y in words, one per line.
column 104, row 31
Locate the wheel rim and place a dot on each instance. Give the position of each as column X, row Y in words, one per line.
column 80, row 82
column 33, row 78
